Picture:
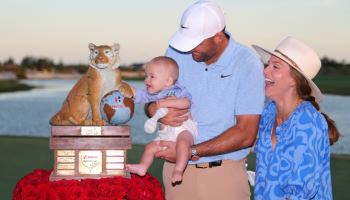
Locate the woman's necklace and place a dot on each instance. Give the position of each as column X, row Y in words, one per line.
column 280, row 118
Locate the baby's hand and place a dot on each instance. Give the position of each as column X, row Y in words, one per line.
column 133, row 89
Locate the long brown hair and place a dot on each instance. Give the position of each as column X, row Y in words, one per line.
column 304, row 92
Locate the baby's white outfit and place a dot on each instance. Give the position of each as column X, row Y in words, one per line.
column 169, row 133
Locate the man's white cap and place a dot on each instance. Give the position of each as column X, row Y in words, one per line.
column 200, row 21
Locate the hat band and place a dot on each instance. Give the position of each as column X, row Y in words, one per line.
column 290, row 60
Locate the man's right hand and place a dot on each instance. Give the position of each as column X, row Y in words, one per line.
column 175, row 117
column 168, row 151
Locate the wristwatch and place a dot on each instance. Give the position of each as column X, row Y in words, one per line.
column 194, row 154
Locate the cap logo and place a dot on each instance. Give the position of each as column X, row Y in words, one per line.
column 184, row 27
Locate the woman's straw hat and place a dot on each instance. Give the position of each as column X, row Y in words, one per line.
column 299, row 56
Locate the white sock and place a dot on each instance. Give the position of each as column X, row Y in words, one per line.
column 151, row 124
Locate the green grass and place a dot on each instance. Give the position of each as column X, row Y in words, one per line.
column 21, row 155
column 13, row 85
column 334, row 83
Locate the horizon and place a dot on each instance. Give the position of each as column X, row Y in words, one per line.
column 132, row 64
column 61, row 30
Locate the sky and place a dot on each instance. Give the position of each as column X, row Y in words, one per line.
column 62, row 29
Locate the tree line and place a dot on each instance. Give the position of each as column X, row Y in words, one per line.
column 329, row 66
column 47, row 64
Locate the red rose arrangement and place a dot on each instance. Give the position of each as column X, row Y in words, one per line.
column 36, row 186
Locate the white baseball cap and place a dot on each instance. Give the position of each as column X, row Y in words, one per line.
column 200, row 21
column 299, row 56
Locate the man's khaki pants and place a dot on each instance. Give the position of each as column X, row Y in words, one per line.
column 228, row 181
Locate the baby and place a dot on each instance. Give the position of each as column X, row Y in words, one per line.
column 160, row 81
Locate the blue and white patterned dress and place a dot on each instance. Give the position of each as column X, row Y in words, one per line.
column 299, row 165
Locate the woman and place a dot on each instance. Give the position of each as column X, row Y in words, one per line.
column 292, row 150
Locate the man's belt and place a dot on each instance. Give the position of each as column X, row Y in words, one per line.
column 209, row 164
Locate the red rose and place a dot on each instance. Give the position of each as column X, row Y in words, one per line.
column 104, row 190
column 118, row 192
column 62, row 192
column 36, row 185
column 29, row 192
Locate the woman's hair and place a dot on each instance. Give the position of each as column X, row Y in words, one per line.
column 304, row 92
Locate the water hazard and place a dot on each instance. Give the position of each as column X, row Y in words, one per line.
column 28, row 113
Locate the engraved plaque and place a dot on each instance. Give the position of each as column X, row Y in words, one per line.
column 90, row 162
column 91, row 130
column 65, row 172
column 82, row 152
column 115, row 172
column 65, row 153
column 65, row 159
column 65, row 166
column 115, row 159
column 115, row 152
column 114, row 166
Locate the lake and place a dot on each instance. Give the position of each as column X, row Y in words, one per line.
column 27, row 113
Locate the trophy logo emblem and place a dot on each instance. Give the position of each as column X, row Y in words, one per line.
column 90, row 162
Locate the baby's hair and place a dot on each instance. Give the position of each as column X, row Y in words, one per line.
column 169, row 64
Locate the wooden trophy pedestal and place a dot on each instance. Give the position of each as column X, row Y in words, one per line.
column 89, row 151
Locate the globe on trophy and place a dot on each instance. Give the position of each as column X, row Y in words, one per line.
column 115, row 108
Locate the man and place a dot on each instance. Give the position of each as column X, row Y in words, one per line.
column 226, row 82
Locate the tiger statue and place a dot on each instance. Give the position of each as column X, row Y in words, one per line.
column 103, row 75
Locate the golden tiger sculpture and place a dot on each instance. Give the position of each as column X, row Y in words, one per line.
column 102, row 76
